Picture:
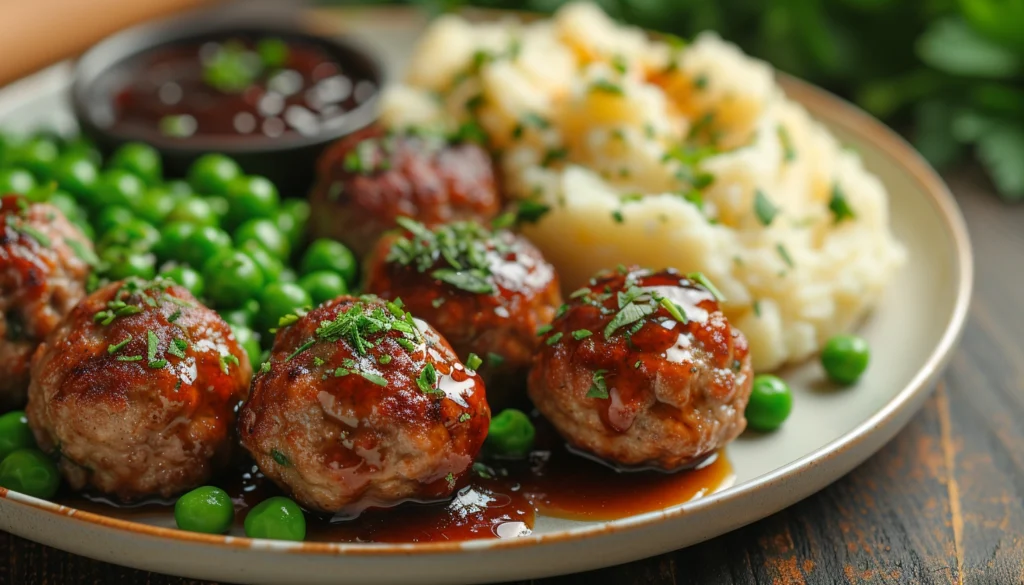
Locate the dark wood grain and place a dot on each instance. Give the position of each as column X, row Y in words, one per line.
column 942, row 503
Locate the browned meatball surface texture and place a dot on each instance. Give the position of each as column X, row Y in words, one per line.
column 363, row 406
column 367, row 180
column 486, row 292
column 137, row 390
column 644, row 370
column 44, row 263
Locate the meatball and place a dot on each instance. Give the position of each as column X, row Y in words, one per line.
column 44, row 263
column 136, row 391
column 486, row 292
column 363, row 406
column 643, row 370
column 367, row 180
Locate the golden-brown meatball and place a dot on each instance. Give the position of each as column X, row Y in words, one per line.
column 486, row 292
column 44, row 263
column 137, row 389
column 644, row 370
column 367, row 180
column 363, row 406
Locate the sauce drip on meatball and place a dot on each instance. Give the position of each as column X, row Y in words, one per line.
column 44, row 264
column 369, row 179
column 136, row 391
column 486, row 292
column 361, row 405
column 643, row 369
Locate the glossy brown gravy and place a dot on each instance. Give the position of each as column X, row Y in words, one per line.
column 499, row 500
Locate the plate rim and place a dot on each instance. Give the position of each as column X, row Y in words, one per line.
column 843, row 114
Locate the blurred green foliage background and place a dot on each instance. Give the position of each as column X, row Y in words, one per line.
column 949, row 72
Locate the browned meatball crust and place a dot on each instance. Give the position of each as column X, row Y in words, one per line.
column 486, row 292
column 367, row 180
column 137, row 391
column 643, row 370
column 363, row 406
column 44, row 263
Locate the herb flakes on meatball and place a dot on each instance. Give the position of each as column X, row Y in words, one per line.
column 642, row 369
column 361, row 405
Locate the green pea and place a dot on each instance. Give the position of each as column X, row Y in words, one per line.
column 323, row 285
column 211, row 173
column 139, row 159
column 173, row 240
column 511, row 434
column 273, row 52
column 279, row 299
column 17, row 181
column 288, row 275
column 15, row 433
column 122, row 262
column 78, row 175
column 179, row 188
column 193, row 210
column 186, row 277
column 219, row 205
column 205, row 509
column 265, row 233
column 270, row 266
column 277, row 518
column 83, row 148
column 204, row 243
column 247, row 339
column 117, row 187
column 155, row 205
column 30, row 472
column 333, row 256
column 112, row 217
column 231, row 277
column 291, row 219
column 845, row 357
column 135, row 233
column 770, row 403
column 250, row 197
column 38, row 155
column 243, row 316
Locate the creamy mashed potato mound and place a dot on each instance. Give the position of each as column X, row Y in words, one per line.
column 661, row 154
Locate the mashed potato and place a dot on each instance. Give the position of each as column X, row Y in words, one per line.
column 654, row 153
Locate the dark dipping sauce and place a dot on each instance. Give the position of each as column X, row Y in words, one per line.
column 500, row 500
column 244, row 88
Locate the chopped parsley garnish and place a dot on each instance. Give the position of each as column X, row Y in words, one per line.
column 384, row 359
column 375, row 378
column 280, row 458
column 495, row 359
column 116, row 347
column 764, row 209
column 427, row 380
column 318, row 361
column 617, row 216
column 529, row 211
column 174, row 316
column 84, row 252
column 554, row 338
column 701, row 81
column 554, row 155
column 529, row 120
column 704, row 281
column 703, row 124
column 562, row 309
column 474, row 362
column 226, row 360
column 470, row 131
column 436, row 303
column 461, row 249
column 129, row 358
column 637, row 365
column 605, row 86
column 308, row 344
column 839, row 206
column 598, row 387
column 27, row 230
column 629, row 311
column 504, row 221
column 784, row 254
column 673, row 309
column 757, row 308
column 464, row 417
column 581, row 334
column 788, row 153
column 177, row 348
column 265, row 368
column 450, row 478
column 152, row 348
column 544, row 329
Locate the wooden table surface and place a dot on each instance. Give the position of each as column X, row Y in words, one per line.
column 942, row 503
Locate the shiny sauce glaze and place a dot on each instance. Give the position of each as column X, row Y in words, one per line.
column 500, row 500
column 234, row 87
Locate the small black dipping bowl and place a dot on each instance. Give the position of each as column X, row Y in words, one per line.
column 287, row 159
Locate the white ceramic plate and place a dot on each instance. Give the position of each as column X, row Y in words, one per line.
column 830, row 431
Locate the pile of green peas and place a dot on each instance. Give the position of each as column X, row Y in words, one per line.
column 23, row 467
column 226, row 236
